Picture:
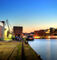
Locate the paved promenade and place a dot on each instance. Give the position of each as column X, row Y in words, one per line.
column 15, row 50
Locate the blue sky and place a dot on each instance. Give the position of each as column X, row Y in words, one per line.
column 31, row 14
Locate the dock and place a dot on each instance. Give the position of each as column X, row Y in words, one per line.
column 15, row 50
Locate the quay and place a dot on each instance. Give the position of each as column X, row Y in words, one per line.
column 15, row 50
column 29, row 53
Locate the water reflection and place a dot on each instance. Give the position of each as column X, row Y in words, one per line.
column 46, row 48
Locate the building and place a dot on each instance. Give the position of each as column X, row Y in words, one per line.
column 1, row 32
column 52, row 30
column 2, row 25
column 18, row 30
column 40, row 33
column 36, row 33
column 55, row 32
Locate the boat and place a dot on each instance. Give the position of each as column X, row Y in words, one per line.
column 29, row 38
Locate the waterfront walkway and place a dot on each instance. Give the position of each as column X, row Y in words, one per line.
column 29, row 53
column 16, row 50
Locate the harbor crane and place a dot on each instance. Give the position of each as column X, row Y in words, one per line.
column 4, row 23
column 8, row 32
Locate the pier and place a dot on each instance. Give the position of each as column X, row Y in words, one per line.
column 15, row 50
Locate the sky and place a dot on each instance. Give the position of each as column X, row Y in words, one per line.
column 31, row 14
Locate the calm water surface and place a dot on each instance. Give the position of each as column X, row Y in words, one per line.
column 46, row 48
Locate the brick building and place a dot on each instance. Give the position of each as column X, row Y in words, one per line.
column 18, row 30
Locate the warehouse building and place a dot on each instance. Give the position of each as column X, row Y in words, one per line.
column 18, row 30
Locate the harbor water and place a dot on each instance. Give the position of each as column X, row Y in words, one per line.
column 46, row 48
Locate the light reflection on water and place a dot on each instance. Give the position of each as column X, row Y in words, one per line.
column 46, row 48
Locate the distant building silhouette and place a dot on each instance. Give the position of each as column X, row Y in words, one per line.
column 52, row 30
column 40, row 33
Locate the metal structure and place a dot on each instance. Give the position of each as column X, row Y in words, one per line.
column 8, row 32
column 4, row 23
